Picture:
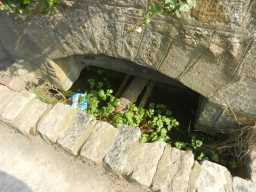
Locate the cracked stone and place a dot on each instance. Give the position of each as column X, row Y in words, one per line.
column 99, row 142
column 173, row 171
column 54, row 124
column 79, row 129
column 210, row 177
column 130, row 158
column 143, row 161
column 116, row 158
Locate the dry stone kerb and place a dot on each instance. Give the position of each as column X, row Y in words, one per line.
column 154, row 165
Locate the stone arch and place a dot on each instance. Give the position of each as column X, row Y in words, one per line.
column 203, row 56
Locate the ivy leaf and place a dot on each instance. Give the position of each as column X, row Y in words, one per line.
column 102, row 95
column 144, row 138
column 184, row 7
column 180, row 145
column 155, row 8
column 191, row 3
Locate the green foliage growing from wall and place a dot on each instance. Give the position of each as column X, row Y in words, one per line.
column 29, row 6
column 169, row 8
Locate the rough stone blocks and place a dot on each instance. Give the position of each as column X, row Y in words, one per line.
column 79, row 129
column 99, row 142
column 12, row 107
column 26, row 121
column 173, row 171
column 54, row 124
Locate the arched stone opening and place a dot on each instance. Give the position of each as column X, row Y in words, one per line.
column 71, row 73
column 194, row 111
column 210, row 117
column 209, row 52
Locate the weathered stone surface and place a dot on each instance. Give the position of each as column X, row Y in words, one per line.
column 231, row 106
column 79, row 129
column 106, row 30
column 208, row 115
column 69, row 32
column 16, row 43
column 5, row 96
column 116, row 158
column 210, row 177
column 251, row 165
column 214, row 118
column 50, row 44
column 130, row 40
column 176, row 60
column 76, row 28
column 17, row 75
column 173, row 171
column 27, row 120
column 99, row 142
column 240, row 96
column 226, row 123
column 209, row 68
column 54, row 124
column 15, row 106
column 129, row 158
column 154, row 45
column 142, row 161
column 63, row 73
column 207, row 49
column 242, row 185
column 137, row 4
column 248, row 70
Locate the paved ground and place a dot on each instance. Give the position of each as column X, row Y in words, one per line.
column 33, row 166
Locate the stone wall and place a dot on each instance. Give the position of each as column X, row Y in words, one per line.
column 211, row 49
column 156, row 166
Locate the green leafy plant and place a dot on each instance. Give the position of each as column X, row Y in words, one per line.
column 156, row 121
column 132, row 117
column 102, row 103
column 29, row 6
column 159, row 123
column 168, row 7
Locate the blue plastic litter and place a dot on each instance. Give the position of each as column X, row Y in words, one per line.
column 76, row 102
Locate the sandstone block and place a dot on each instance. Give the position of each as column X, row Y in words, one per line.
column 251, row 165
column 242, row 185
column 116, row 158
column 99, row 142
column 5, row 97
column 129, row 158
column 173, row 171
column 210, row 177
column 143, row 161
column 79, row 129
column 27, row 120
column 62, row 73
column 15, row 106
column 53, row 125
